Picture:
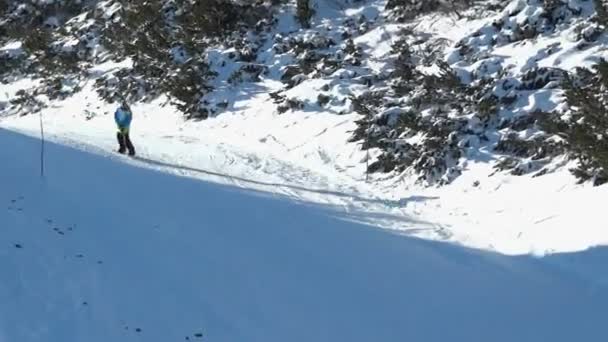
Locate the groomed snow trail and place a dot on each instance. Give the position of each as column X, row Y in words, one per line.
column 103, row 251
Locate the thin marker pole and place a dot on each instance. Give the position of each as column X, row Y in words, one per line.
column 41, row 147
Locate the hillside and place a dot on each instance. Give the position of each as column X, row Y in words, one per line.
column 483, row 120
column 102, row 251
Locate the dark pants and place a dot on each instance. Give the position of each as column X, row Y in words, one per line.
column 124, row 143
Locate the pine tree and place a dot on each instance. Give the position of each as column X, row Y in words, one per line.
column 585, row 127
column 601, row 9
column 304, row 12
column 409, row 9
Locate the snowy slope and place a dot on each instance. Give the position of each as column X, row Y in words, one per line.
column 103, row 251
column 303, row 154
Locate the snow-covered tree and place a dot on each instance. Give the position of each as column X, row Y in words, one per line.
column 584, row 126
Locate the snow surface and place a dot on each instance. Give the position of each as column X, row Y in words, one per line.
column 12, row 49
column 99, row 250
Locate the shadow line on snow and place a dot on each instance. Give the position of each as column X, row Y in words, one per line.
column 393, row 203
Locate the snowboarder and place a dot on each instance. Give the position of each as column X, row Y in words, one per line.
column 123, row 116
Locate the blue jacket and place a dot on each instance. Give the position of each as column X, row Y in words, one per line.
column 123, row 117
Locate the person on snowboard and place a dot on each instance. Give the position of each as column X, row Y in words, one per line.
column 123, row 117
